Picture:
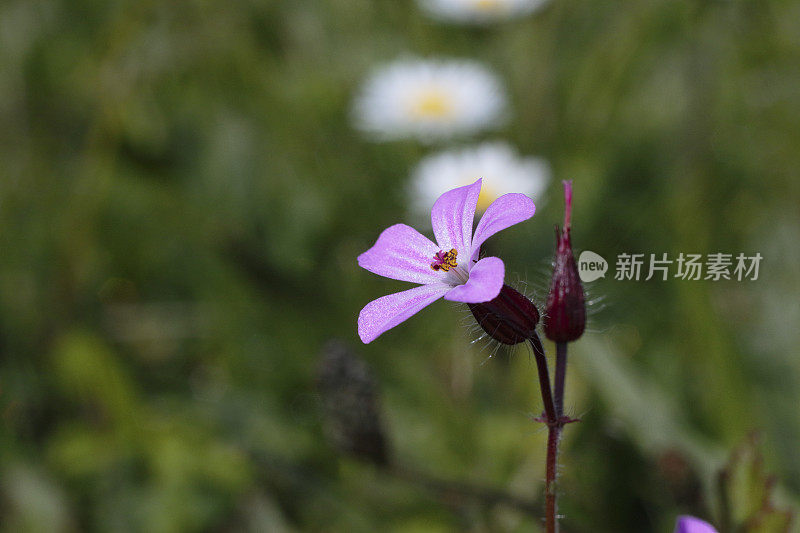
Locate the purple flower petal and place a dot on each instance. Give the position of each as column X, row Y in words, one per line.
column 403, row 253
column 690, row 524
column 506, row 211
column 452, row 216
column 388, row 311
column 484, row 284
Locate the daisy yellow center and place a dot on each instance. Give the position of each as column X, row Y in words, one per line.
column 432, row 103
column 485, row 198
column 488, row 5
column 445, row 260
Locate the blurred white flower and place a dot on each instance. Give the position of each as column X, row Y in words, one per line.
column 478, row 11
column 429, row 99
column 502, row 170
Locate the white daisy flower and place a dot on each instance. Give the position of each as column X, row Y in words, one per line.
column 502, row 170
column 478, row 11
column 429, row 99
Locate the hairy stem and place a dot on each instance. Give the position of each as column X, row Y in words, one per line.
column 554, row 425
column 544, row 378
column 561, row 376
column 551, row 496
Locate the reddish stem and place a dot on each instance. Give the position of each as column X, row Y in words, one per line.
column 551, row 496
column 554, row 425
column 561, row 377
column 544, row 379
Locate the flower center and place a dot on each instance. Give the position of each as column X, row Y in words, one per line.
column 432, row 103
column 445, row 260
column 488, row 5
column 485, row 198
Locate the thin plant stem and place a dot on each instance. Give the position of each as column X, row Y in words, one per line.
column 544, row 378
column 551, row 473
column 553, row 437
column 561, row 376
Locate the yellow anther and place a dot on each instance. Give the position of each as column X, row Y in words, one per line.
column 445, row 260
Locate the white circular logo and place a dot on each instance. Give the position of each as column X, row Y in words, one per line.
column 591, row 266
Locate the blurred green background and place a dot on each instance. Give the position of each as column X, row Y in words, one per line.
column 183, row 199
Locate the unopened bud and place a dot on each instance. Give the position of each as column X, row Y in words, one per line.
column 510, row 318
column 566, row 304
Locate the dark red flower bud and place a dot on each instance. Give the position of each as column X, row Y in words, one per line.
column 566, row 304
column 510, row 318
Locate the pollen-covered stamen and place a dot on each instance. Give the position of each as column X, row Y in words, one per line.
column 445, row 260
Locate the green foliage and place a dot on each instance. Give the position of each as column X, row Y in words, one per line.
column 747, row 494
column 183, row 198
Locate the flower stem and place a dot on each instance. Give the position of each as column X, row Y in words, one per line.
column 554, row 425
column 544, row 378
column 551, row 472
column 561, row 376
